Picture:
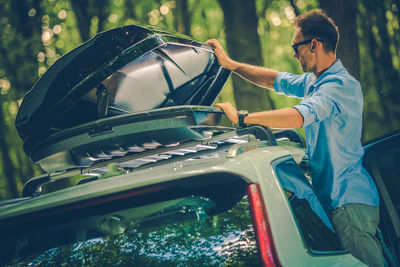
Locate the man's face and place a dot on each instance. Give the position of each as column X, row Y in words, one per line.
column 303, row 55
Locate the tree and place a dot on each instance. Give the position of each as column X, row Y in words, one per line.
column 8, row 166
column 183, row 17
column 344, row 14
column 20, row 44
column 384, row 82
column 243, row 44
column 85, row 11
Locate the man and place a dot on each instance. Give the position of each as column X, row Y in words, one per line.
column 331, row 113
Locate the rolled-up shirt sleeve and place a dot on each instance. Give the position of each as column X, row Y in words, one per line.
column 290, row 84
column 317, row 107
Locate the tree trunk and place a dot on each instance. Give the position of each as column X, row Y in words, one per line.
column 18, row 57
column 24, row 24
column 81, row 10
column 8, row 168
column 385, row 58
column 85, row 11
column 386, row 121
column 386, row 75
column 243, row 44
column 103, row 10
column 295, row 8
column 344, row 13
column 182, row 21
column 130, row 10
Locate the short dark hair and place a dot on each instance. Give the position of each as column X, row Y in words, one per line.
column 316, row 24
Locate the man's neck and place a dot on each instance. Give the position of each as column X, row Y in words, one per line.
column 324, row 63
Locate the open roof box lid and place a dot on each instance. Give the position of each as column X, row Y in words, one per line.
column 123, row 90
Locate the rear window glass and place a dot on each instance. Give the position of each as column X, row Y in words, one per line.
column 194, row 229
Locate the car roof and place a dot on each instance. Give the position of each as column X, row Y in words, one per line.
column 245, row 165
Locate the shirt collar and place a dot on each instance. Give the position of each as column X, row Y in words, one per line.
column 332, row 69
column 314, row 82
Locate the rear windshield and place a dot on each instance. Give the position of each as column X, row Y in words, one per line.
column 194, row 227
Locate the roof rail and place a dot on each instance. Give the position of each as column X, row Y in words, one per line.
column 265, row 133
column 260, row 132
column 8, row 202
column 292, row 135
column 32, row 187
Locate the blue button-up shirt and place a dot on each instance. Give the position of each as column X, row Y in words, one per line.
column 332, row 108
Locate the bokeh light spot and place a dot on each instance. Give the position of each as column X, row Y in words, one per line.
column 32, row 12
column 62, row 14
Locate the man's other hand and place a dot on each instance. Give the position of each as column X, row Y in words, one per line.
column 229, row 110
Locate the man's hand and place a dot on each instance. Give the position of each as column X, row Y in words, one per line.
column 223, row 58
column 258, row 75
column 229, row 110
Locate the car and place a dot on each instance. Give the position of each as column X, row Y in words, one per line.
column 141, row 170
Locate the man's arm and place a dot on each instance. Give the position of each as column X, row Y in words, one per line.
column 280, row 118
column 260, row 76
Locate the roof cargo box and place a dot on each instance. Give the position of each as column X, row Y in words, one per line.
column 121, row 76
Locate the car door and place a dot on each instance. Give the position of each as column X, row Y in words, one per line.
column 382, row 160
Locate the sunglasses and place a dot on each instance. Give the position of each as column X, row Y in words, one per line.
column 296, row 46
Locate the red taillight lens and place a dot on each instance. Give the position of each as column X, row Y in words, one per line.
column 262, row 229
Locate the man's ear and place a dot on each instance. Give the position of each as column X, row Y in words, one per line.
column 313, row 46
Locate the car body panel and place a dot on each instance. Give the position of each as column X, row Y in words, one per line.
column 289, row 244
column 253, row 166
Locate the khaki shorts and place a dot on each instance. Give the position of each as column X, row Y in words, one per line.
column 356, row 226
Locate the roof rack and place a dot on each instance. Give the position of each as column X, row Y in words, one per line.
column 168, row 154
column 291, row 135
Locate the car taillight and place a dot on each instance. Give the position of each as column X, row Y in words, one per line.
column 262, row 229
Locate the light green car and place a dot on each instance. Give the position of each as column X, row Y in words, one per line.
column 141, row 171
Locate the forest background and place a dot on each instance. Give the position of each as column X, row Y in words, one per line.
column 35, row 33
